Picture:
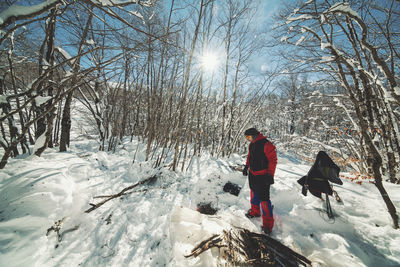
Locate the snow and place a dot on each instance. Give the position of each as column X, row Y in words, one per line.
column 301, row 17
column 323, row 19
column 16, row 10
column 137, row 14
column 157, row 224
column 397, row 90
column 300, row 40
column 119, row 2
column 152, row 15
column 40, row 141
column 284, row 39
column 65, row 54
column 90, row 42
column 3, row 99
column 327, row 58
column 67, row 75
column 324, row 45
column 187, row 227
column 40, row 100
column 343, row 8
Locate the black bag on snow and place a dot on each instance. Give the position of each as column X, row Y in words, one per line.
column 318, row 177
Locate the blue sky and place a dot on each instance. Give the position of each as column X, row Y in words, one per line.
column 264, row 20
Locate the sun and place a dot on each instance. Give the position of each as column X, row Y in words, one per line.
column 209, row 61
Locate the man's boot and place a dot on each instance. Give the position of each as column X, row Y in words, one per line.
column 255, row 206
column 253, row 212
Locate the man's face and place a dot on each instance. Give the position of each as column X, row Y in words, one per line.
column 249, row 138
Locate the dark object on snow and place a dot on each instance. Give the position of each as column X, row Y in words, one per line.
column 206, row 208
column 318, row 177
column 328, row 207
column 57, row 227
column 241, row 247
column 245, row 171
column 265, row 230
column 108, row 220
column 232, row 188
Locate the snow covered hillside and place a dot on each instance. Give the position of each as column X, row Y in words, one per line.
column 157, row 224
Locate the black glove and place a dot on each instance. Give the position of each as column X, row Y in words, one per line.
column 245, row 173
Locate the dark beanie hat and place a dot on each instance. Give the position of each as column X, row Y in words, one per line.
column 251, row 131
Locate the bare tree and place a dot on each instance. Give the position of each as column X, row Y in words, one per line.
column 336, row 40
column 66, row 115
column 37, row 101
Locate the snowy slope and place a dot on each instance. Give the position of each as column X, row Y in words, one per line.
column 157, row 224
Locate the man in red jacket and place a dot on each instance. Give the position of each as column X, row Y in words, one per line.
column 260, row 167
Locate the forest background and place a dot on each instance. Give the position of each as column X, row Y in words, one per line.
column 190, row 76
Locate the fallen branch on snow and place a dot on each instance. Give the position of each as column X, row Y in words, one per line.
column 57, row 227
column 149, row 180
column 126, row 193
column 242, row 247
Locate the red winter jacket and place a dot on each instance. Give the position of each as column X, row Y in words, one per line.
column 262, row 158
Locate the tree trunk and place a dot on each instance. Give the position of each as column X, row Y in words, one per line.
column 66, row 120
column 49, row 131
column 186, row 86
column 378, row 183
column 66, row 124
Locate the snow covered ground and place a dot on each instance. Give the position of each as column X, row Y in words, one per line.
column 158, row 223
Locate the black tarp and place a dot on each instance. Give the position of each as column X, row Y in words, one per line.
column 318, row 177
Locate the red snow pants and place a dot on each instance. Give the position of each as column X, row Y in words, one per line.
column 266, row 210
